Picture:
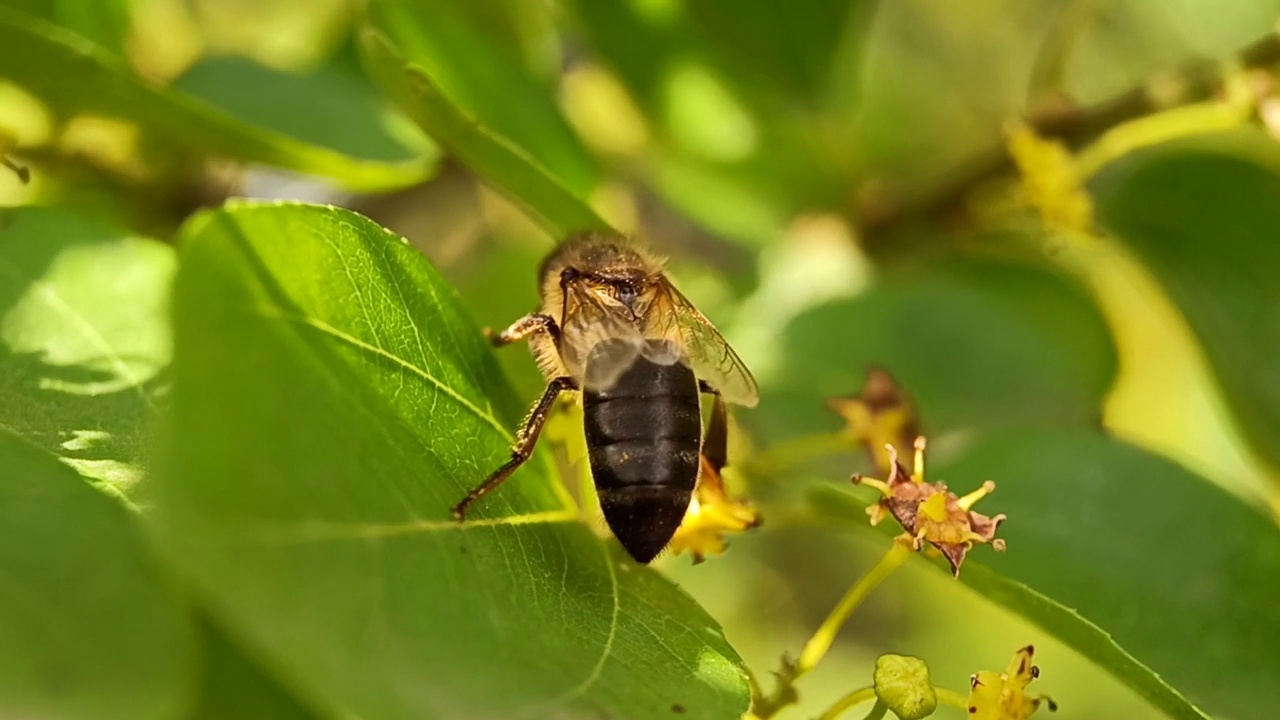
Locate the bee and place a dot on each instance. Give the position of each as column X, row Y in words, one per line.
column 612, row 327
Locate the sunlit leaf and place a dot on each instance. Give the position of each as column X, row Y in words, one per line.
column 84, row 339
column 74, row 76
column 331, row 402
column 89, row 630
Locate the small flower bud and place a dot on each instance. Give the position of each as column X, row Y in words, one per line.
column 902, row 683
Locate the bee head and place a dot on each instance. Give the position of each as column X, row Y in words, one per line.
column 617, row 273
column 621, row 286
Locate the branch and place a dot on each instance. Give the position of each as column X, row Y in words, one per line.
column 1075, row 126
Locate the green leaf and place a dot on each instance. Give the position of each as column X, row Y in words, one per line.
column 74, row 76
column 88, row 629
column 507, row 166
column 485, row 80
column 233, row 686
column 978, row 343
column 331, row 402
column 333, row 106
column 84, row 341
column 1202, row 218
column 1155, row 574
column 790, row 52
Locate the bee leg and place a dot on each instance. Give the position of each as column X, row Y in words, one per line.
column 704, row 387
column 523, row 328
column 715, row 444
column 526, row 439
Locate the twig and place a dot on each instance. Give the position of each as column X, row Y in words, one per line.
column 1076, row 126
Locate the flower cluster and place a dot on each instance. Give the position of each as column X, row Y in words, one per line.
column 1051, row 182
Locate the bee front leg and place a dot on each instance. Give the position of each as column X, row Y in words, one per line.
column 523, row 328
column 526, row 439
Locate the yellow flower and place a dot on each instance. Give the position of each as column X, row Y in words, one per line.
column 1003, row 696
column 931, row 513
column 1051, row 182
column 711, row 514
column 878, row 416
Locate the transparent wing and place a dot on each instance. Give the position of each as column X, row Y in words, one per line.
column 598, row 343
column 706, row 351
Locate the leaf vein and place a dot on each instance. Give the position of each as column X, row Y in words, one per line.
column 374, row 349
column 314, row 531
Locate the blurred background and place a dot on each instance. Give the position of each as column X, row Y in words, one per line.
column 793, row 161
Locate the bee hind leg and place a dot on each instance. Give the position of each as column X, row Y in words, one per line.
column 715, row 443
column 526, row 439
column 523, row 328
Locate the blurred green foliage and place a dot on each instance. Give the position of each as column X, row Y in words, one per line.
column 830, row 181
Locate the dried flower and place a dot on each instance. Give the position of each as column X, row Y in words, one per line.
column 1003, row 696
column 931, row 513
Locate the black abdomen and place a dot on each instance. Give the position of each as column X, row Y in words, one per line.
column 643, row 436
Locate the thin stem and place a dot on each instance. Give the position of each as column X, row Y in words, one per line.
column 952, row 698
column 1186, row 121
column 857, row 697
column 820, row 643
column 789, row 453
column 23, row 173
column 784, row 692
column 877, row 712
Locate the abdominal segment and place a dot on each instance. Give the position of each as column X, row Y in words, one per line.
column 643, row 437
